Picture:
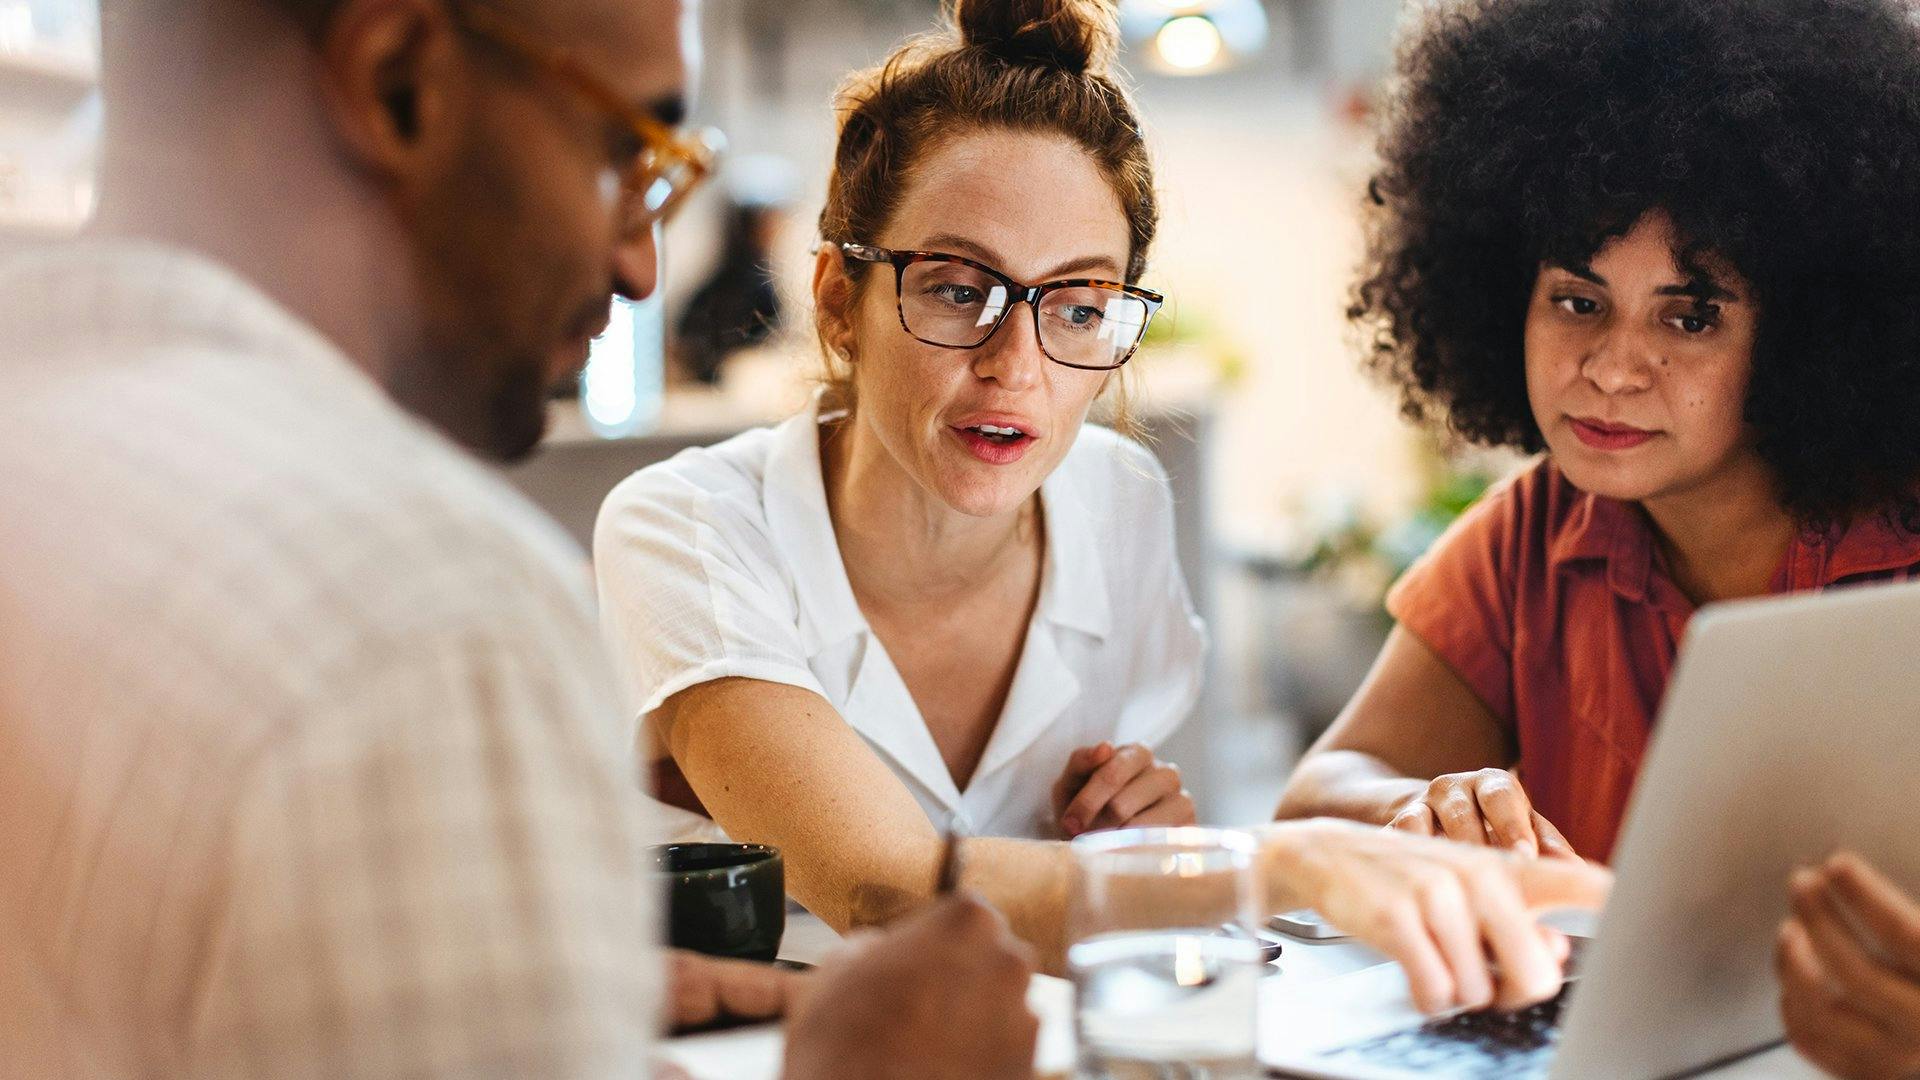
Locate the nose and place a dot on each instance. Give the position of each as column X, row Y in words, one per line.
column 1012, row 356
column 636, row 263
column 1620, row 364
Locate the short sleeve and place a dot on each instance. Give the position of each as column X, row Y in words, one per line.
column 1459, row 598
column 691, row 590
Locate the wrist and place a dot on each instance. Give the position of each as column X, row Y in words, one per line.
column 1292, row 858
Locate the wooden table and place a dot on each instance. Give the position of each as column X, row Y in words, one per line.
column 754, row 1053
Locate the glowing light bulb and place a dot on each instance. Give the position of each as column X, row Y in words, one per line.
column 1189, row 43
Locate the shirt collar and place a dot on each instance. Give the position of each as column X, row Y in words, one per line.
column 1870, row 545
column 1618, row 534
column 1073, row 593
column 795, row 500
column 1073, row 590
column 1612, row 532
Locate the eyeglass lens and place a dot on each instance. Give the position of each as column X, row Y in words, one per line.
column 956, row 305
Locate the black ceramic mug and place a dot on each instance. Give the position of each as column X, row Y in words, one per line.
column 724, row 899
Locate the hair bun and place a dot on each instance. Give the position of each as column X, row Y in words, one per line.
column 1074, row 35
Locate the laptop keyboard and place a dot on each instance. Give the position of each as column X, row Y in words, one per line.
column 1481, row 1044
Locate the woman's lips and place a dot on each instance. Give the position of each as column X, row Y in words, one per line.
column 993, row 451
column 1601, row 435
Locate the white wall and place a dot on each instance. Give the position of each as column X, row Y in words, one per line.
column 1260, row 185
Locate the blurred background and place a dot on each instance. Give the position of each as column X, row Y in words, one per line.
column 1301, row 492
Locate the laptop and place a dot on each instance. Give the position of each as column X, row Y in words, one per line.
column 1791, row 728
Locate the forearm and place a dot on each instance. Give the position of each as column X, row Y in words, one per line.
column 1348, row 784
column 1025, row 880
column 1028, row 881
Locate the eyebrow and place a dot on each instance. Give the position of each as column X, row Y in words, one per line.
column 980, row 252
column 1700, row 288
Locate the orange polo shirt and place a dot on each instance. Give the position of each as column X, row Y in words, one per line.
column 1556, row 608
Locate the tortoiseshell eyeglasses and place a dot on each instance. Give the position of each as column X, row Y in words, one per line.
column 957, row 303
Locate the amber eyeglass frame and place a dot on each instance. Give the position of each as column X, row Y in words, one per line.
column 684, row 160
column 1017, row 293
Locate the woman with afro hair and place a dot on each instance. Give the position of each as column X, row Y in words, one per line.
column 1674, row 246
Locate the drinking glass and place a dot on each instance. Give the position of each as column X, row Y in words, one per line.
column 1165, row 968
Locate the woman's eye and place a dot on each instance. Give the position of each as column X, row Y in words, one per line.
column 1576, row 305
column 962, row 295
column 1694, row 323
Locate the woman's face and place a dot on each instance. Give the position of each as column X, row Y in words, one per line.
column 1637, row 373
column 1035, row 207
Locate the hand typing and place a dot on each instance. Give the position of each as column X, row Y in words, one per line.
column 1460, row 920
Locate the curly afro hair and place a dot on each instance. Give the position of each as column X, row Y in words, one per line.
column 1781, row 136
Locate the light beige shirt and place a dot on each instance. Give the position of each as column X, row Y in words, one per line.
column 309, row 763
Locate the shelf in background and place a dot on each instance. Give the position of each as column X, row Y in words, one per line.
column 47, row 74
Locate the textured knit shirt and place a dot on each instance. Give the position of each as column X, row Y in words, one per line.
column 309, row 761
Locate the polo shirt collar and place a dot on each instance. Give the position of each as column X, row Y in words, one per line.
column 1870, row 545
column 1618, row 534
column 1612, row 532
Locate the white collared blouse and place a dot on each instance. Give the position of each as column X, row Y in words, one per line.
column 722, row 562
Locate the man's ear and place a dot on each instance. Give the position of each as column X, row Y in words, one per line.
column 388, row 72
column 833, row 298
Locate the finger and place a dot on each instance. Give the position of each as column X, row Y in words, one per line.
column 1507, row 813
column 1459, row 816
column 1887, row 912
column 1417, row 819
column 1881, row 995
column 706, row 989
column 1556, row 942
column 1528, row 970
column 1456, row 933
column 1141, row 792
column 1080, row 765
column 1821, row 1027
column 1560, row 883
column 1401, row 932
column 1553, row 843
column 1106, row 782
column 1175, row 809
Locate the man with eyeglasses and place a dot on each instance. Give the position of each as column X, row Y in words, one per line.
column 309, row 762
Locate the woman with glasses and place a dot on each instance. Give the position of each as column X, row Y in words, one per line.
column 938, row 601
column 1672, row 244
column 940, row 563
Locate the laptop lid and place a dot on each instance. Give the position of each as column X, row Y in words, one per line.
column 1791, row 728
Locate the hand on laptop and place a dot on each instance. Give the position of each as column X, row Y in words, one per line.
column 1849, row 965
column 940, row 994
column 1460, row 920
column 1486, row 807
column 1104, row 787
